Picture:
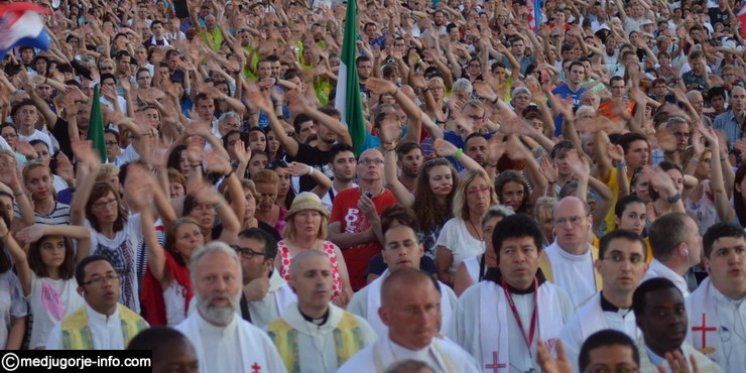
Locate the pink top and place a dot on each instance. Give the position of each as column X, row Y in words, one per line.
column 330, row 250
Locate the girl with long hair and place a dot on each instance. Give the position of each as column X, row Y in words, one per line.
column 46, row 274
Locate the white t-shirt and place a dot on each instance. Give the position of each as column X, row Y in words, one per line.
column 122, row 252
column 50, row 301
column 12, row 303
column 455, row 236
column 173, row 298
column 39, row 135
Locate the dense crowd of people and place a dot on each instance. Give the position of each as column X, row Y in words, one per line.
column 555, row 189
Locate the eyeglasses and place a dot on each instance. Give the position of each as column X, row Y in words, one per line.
column 474, row 191
column 368, row 162
column 106, row 203
column 618, row 258
column 574, row 220
column 99, row 280
column 245, row 252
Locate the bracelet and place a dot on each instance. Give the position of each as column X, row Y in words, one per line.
column 620, row 165
column 310, row 170
column 674, row 198
column 458, row 153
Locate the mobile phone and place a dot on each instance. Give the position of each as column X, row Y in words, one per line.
column 369, row 194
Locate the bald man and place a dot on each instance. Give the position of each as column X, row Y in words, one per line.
column 410, row 308
column 314, row 335
column 355, row 224
column 571, row 255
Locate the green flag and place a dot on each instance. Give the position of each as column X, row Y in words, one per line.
column 347, row 99
column 96, row 125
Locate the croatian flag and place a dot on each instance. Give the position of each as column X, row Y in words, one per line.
column 21, row 24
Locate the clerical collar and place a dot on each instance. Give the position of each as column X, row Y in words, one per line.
column 607, row 306
column 317, row 322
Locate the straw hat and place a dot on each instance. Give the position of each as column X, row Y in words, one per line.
column 306, row 201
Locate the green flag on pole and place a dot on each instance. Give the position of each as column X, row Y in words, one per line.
column 96, row 125
column 347, row 99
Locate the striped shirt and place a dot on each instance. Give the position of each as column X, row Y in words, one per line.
column 60, row 215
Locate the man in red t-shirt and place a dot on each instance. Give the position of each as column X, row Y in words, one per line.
column 355, row 224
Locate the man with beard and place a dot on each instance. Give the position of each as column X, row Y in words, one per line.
column 103, row 323
column 224, row 342
column 265, row 295
column 314, row 335
column 661, row 316
column 409, row 160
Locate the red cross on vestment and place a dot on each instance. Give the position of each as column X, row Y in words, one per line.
column 256, row 368
column 704, row 329
column 495, row 364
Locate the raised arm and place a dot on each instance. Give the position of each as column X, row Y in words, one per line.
column 722, row 204
column 19, row 257
column 88, row 165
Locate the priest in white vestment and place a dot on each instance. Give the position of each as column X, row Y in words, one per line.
column 660, row 313
column 621, row 264
column 102, row 323
column 223, row 340
column 677, row 246
column 400, row 250
column 500, row 320
column 717, row 308
column 315, row 335
column 266, row 295
column 410, row 308
column 571, row 255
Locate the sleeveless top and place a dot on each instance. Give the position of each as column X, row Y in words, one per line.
column 329, row 249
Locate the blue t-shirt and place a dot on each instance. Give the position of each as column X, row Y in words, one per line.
column 564, row 91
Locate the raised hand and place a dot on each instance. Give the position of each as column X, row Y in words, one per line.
column 615, row 152
column 678, row 363
column 31, row 233
column 666, row 139
column 380, row 86
column 549, row 170
column 444, row 148
column 549, row 364
column 299, row 169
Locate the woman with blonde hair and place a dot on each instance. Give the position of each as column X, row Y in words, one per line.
column 462, row 236
column 306, row 229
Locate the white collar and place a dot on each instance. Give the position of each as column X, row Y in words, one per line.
column 664, row 271
column 206, row 327
column 100, row 318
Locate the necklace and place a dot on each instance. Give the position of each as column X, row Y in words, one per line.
column 476, row 232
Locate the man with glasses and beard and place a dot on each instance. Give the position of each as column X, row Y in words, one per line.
column 224, row 342
column 266, row 294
